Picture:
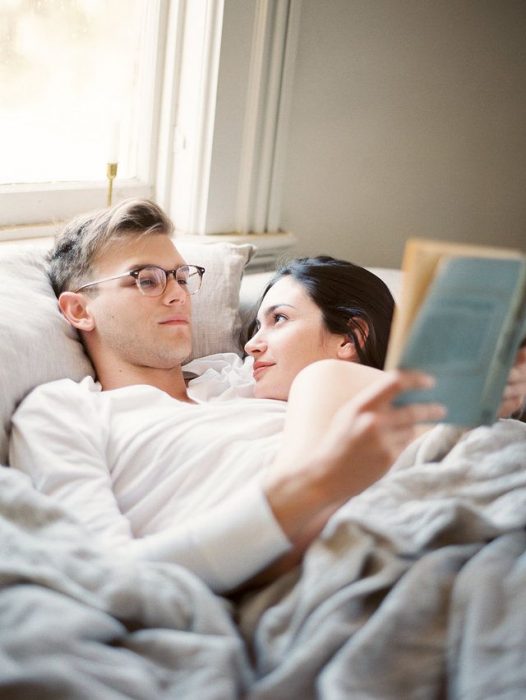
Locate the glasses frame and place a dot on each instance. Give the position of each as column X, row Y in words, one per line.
column 135, row 274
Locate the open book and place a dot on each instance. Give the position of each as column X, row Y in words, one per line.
column 462, row 318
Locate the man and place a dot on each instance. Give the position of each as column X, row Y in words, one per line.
column 153, row 469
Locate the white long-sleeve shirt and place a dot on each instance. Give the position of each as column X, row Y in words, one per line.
column 157, row 478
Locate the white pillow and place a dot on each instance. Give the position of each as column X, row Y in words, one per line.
column 215, row 309
column 37, row 345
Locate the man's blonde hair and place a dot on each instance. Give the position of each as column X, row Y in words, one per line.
column 87, row 237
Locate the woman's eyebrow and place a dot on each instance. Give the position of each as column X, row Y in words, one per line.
column 270, row 309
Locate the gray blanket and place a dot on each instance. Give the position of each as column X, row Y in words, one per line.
column 416, row 589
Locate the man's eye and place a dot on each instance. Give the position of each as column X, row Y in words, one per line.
column 149, row 281
column 146, row 282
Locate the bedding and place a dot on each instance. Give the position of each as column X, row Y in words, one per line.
column 416, row 589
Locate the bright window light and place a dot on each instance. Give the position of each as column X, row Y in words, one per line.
column 71, row 75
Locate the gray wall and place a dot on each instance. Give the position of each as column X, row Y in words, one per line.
column 408, row 118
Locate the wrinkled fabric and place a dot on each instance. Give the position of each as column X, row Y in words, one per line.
column 75, row 624
column 416, row 589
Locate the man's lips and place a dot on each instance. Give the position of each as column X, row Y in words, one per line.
column 175, row 321
column 259, row 367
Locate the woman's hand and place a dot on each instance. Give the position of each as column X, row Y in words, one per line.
column 514, row 396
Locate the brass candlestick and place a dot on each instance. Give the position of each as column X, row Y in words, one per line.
column 111, row 174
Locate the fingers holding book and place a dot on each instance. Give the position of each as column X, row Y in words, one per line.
column 513, row 402
column 396, row 426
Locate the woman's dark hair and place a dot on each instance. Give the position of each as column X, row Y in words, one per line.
column 353, row 302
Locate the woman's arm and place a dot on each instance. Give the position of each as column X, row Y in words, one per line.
column 339, row 439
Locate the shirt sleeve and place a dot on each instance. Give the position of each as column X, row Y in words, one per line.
column 59, row 439
column 225, row 546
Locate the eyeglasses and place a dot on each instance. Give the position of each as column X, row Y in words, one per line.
column 151, row 280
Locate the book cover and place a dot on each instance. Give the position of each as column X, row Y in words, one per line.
column 462, row 317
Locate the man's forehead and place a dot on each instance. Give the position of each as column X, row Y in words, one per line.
column 156, row 249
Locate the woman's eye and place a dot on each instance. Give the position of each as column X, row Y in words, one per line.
column 279, row 317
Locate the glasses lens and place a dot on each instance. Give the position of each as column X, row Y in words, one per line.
column 189, row 277
column 151, row 281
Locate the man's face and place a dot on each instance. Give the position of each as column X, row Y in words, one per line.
column 132, row 328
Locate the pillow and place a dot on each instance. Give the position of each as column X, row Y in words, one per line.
column 38, row 345
column 216, row 320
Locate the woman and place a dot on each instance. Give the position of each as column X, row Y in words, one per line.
column 319, row 341
column 347, row 302
column 314, row 313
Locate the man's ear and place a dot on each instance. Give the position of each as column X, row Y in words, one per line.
column 347, row 349
column 74, row 308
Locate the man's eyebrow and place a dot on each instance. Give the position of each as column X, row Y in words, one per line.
column 138, row 265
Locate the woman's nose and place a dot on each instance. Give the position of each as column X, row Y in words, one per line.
column 255, row 345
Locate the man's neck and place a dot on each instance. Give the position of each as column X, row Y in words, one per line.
column 169, row 380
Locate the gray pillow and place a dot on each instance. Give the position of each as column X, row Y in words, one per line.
column 37, row 344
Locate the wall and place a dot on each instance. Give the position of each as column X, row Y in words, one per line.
column 408, row 118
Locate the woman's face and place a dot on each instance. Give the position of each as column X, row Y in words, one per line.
column 291, row 335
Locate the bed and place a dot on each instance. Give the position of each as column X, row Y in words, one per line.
column 415, row 589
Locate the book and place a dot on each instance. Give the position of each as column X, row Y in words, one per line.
column 461, row 318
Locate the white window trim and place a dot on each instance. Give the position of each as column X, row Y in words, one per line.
column 188, row 111
column 274, row 45
column 224, row 170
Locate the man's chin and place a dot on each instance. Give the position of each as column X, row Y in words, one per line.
column 173, row 358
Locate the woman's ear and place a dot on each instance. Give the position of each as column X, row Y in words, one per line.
column 347, row 349
column 74, row 308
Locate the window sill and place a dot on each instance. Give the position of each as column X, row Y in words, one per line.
column 30, row 211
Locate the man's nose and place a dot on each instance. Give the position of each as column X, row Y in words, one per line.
column 174, row 291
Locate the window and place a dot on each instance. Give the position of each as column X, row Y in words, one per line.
column 78, row 89
column 191, row 96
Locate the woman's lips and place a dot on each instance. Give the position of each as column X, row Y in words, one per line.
column 259, row 368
